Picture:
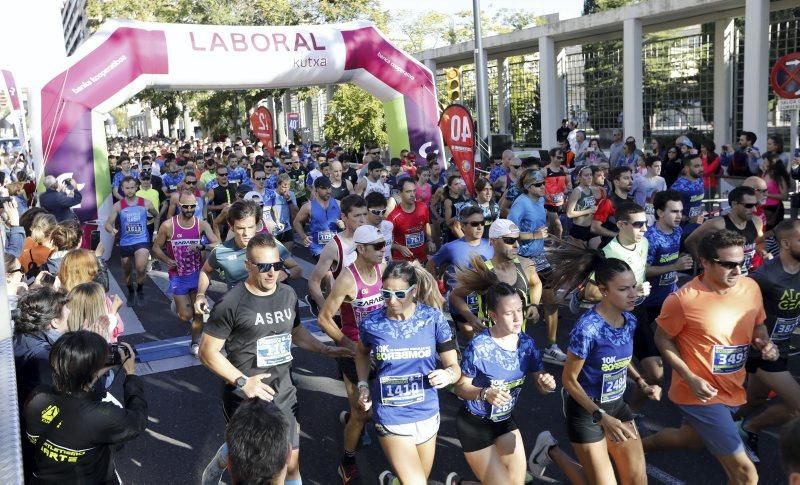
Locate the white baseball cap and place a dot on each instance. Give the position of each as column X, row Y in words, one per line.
column 502, row 227
column 252, row 195
column 367, row 234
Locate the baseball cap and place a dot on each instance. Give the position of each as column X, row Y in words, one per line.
column 322, row 182
column 367, row 234
column 535, row 178
column 252, row 195
column 502, row 227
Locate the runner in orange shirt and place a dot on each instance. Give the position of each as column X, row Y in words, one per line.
column 705, row 331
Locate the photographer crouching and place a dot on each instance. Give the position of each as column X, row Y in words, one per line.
column 70, row 433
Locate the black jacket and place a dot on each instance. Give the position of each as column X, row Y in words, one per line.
column 59, row 203
column 70, row 438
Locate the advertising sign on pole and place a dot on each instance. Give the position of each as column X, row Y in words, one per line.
column 458, row 133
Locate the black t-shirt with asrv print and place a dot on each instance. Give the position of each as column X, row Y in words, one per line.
column 258, row 335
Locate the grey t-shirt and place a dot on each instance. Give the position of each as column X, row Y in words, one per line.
column 781, row 292
column 258, row 335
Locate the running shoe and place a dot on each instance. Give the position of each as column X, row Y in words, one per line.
column 554, row 355
column 312, row 305
column 539, row 459
column 349, row 473
column 452, row 479
column 750, row 441
column 194, row 349
column 387, row 478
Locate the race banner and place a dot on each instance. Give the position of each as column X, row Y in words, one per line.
column 261, row 123
column 18, row 114
column 458, row 133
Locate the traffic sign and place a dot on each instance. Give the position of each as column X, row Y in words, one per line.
column 785, row 76
column 293, row 121
column 788, row 104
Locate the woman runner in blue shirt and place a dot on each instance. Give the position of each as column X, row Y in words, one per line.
column 404, row 338
column 599, row 421
column 494, row 367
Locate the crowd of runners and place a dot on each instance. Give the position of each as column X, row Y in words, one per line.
column 425, row 288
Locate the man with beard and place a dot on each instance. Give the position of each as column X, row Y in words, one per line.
column 412, row 228
column 184, row 258
column 322, row 213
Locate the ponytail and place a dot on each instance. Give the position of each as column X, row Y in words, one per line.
column 428, row 288
column 483, row 281
column 573, row 264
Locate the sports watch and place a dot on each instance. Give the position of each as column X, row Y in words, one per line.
column 240, row 382
column 597, row 416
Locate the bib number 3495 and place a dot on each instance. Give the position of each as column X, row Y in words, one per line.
column 727, row 359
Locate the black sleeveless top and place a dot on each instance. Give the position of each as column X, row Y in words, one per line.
column 749, row 233
column 340, row 192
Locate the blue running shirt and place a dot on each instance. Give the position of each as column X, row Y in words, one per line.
column 530, row 216
column 457, row 254
column 490, row 365
column 606, row 352
column 405, row 353
column 664, row 250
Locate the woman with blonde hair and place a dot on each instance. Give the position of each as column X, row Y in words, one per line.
column 37, row 247
column 91, row 309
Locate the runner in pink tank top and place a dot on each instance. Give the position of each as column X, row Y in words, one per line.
column 181, row 248
column 368, row 300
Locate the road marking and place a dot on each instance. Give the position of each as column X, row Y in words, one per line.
column 132, row 323
column 662, row 476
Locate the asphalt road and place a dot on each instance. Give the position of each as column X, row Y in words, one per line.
column 186, row 423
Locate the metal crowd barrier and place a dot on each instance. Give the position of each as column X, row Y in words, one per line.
column 11, row 456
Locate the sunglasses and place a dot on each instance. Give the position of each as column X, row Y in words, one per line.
column 536, row 184
column 510, row 240
column 18, row 270
column 378, row 212
column 374, row 154
column 399, row 294
column 729, row 265
column 188, row 206
column 476, row 223
column 260, row 178
column 267, row 267
column 269, row 166
column 377, row 246
column 516, row 166
column 748, row 206
column 637, row 224
column 222, row 174
column 190, row 182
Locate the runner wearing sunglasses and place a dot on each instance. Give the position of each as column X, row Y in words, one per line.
column 457, row 254
column 182, row 235
column 404, row 338
column 376, row 216
column 357, row 291
column 741, row 220
column 502, row 267
column 257, row 322
column 188, row 185
column 706, row 330
column 529, row 214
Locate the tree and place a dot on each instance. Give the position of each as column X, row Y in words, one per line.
column 355, row 117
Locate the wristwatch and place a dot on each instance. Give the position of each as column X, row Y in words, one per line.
column 240, row 382
column 597, row 416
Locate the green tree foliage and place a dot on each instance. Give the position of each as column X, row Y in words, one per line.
column 355, row 117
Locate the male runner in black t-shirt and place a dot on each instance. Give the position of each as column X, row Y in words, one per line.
column 257, row 322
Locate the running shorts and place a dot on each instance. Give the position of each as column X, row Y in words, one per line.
column 715, row 426
column 420, row 432
column 129, row 251
column 183, row 285
column 476, row 433
column 580, row 427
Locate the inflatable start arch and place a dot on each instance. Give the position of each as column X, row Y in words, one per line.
column 123, row 58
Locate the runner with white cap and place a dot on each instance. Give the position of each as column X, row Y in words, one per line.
column 357, row 291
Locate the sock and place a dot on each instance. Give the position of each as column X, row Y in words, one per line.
column 550, row 343
column 348, row 457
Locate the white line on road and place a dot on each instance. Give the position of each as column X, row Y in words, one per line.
column 662, row 476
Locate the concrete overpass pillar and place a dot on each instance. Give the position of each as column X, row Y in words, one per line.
column 723, row 87
column 632, row 109
column 503, row 96
column 548, row 91
column 756, row 69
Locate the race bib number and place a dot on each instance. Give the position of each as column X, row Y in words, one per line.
column 668, row 279
column 402, row 390
column 323, row 237
column 415, row 240
column 727, row 359
column 784, row 328
column 558, row 198
column 472, row 302
column 273, row 350
column 614, row 385
column 649, row 209
column 499, row 413
column 695, row 211
column 133, row 228
column 541, row 262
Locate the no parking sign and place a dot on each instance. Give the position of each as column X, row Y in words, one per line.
column 785, row 76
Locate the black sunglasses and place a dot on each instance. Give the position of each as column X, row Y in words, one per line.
column 747, row 206
column 18, row 270
column 476, row 223
column 637, row 224
column 222, row 174
column 260, row 178
column 510, row 240
column 378, row 212
column 267, row 267
column 190, row 182
column 729, row 265
column 188, row 206
column 535, row 184
column 377, row 246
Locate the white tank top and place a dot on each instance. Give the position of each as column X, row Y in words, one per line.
column 380, row 187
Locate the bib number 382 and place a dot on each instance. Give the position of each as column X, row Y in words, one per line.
column 727, row 359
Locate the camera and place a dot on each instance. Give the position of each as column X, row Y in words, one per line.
column 114, row 358
column 3, row 200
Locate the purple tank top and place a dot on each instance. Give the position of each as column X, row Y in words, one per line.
column 189, row 261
